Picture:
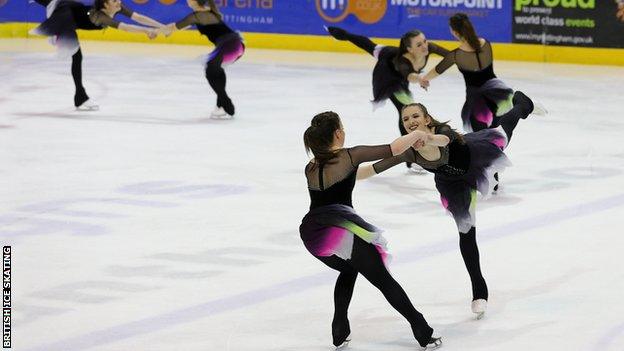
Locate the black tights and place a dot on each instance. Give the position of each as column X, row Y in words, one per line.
column 360, row 41
column 76, row 69
column 470, row 254
column 366, row 260
column 80, row 96
column 523, row 106
column 215, row 74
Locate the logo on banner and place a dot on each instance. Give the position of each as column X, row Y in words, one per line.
column 367, row 11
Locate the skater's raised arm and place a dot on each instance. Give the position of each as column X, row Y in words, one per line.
column 439, row 140
column 361, row 154
column 145, row 20
column 446, row 63
column 404, row 142
column 183, row 24
column 104, row 11
column 387, row 163
column 365, row 172
column 201, row 15
column 131, row 28
column 437, row 49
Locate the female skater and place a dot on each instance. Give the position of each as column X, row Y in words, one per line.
column 64, row 17
column 396, row 67
column 463, row 165
column 341, row 239
column 487, row 97
column 229, row 48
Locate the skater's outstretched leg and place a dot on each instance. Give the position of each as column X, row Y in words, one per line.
column 358, row 40
column 523, row 107
column 367, row 260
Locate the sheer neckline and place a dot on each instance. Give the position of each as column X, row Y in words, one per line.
column 473, row 51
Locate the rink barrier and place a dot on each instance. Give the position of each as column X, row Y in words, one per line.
column 502, row 51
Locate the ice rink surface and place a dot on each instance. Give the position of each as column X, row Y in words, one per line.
column 148, row 226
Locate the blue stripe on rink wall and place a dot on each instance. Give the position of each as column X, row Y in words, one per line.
column 375, row 18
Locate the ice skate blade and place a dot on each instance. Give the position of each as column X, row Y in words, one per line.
column 88, row 106
column 344, row 345
column 220, row 117
column 539, row 109
column 437, row 343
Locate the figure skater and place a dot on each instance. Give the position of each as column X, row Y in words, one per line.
column 334, row 233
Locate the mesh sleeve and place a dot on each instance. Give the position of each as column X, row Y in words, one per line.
column 390, row 162
column 404, row 67
column 446, row 62
column 215, row 10
column 473, row 61
column 203, row 18
column 100, row 19
column 438, row 50
column 126, row 11
column 360, row 154
column 187, row 21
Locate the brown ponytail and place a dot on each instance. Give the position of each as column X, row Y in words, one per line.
column 319, row 137
column 461, row 24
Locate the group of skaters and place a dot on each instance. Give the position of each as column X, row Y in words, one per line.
column 463, row 164
column 64, row 17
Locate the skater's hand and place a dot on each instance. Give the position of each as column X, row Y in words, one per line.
column 620, row 12
column 421, row 138
column 165, row 30
column 424, row 83
column 152, row 34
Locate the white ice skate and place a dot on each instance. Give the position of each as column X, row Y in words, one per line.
column 345, row 344
column 219, row 113
column 434, row 343
column 539, row 109
column 478, row 307
column 88, row 106
column 416, row 169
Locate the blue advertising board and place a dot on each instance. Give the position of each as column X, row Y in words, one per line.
column 378, row 18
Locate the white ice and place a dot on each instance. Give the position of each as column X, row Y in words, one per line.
column 149, row 226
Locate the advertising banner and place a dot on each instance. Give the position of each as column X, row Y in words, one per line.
column 588, row 23
column 378, row 18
